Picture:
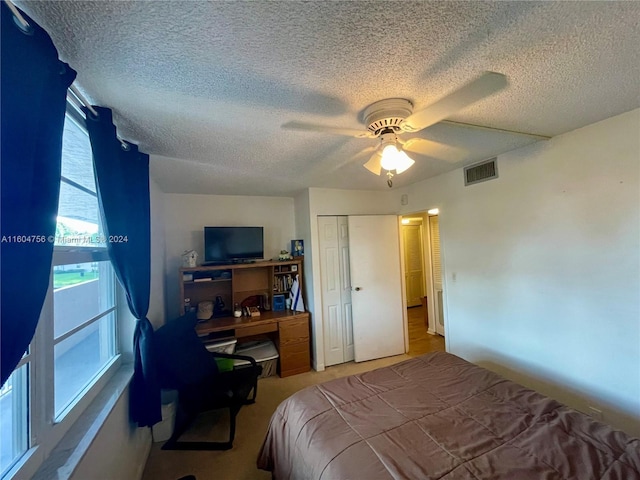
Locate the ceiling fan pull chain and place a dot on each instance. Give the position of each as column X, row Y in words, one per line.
column 389, row 177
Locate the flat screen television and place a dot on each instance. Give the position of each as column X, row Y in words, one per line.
column 233, row 244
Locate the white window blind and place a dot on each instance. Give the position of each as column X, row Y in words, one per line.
column 435, row 250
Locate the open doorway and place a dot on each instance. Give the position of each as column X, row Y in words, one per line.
column 419, row 292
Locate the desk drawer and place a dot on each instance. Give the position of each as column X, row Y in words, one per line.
column 294, row 331
column 256, row 330
column 294, row 359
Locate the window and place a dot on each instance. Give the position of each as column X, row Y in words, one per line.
column 75, row 342
column 83, row 326
column 13, row 412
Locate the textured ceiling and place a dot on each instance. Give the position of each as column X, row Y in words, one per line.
column 204, row 87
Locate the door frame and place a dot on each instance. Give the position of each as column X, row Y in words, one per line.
column 439, row 329
column 403, row 286
column 427, row 269
column 429, row 287
column 403, row 228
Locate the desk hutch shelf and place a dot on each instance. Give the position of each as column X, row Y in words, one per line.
column 235, row 283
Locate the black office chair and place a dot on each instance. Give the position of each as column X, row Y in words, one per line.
column 184, row 364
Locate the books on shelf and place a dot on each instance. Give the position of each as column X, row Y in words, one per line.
column 282, row 283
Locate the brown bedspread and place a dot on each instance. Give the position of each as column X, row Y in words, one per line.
column 439, row 417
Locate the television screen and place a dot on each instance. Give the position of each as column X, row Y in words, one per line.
column 233, row 244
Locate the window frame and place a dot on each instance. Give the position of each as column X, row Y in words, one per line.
column 44, row 429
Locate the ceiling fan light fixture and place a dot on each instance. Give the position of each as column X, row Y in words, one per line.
column 373, row 165
column 394, row 159
column 403, row 162
column 389, row 157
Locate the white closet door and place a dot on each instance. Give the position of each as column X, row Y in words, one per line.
column 378, row 321
column 331, row 290
column 336, row 289
column 345, row 295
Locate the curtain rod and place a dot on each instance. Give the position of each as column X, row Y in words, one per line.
column 17, row 15
column 76, row 95
column 83, row 100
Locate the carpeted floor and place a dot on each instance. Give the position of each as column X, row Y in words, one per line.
column 252, row 422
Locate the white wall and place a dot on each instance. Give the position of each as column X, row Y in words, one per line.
column 303, row 231
column 158, row 257
column 185, row 217
column 546, row 261
column 120, row 450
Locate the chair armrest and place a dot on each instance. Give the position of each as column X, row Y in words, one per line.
column 235, row 357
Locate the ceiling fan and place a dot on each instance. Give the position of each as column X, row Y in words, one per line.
column 389, row 118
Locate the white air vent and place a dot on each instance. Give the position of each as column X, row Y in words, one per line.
column 481, row 172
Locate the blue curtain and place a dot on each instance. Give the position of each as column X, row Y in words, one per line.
column 122, row 181
column 33, row 101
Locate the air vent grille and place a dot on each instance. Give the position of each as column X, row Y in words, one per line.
column 481, row 172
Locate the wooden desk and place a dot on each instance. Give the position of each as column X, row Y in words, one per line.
column 289, row 330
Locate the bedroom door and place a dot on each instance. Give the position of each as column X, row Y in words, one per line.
column 333, row 233
column 376, row 292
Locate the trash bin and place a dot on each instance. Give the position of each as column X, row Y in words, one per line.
column 162, row 431
column 264, row 353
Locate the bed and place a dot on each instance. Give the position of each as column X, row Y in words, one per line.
column 439, row 417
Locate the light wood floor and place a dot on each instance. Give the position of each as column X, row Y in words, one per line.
column 240, row 462
column 420, row 341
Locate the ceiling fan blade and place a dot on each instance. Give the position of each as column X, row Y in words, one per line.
column 374, row 165
column 348, row 160
column 438, row 150
column 364, row 152
column 485, row 85
column 311, row 127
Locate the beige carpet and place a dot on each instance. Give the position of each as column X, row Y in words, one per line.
column 252, row 422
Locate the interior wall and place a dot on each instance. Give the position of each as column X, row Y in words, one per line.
column 185, row 217
column 303, row 231
column 543, row 266
column 120, row 450
column 158, row 259
column 328, row 201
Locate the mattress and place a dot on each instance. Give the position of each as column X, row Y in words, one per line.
column 439, row 417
